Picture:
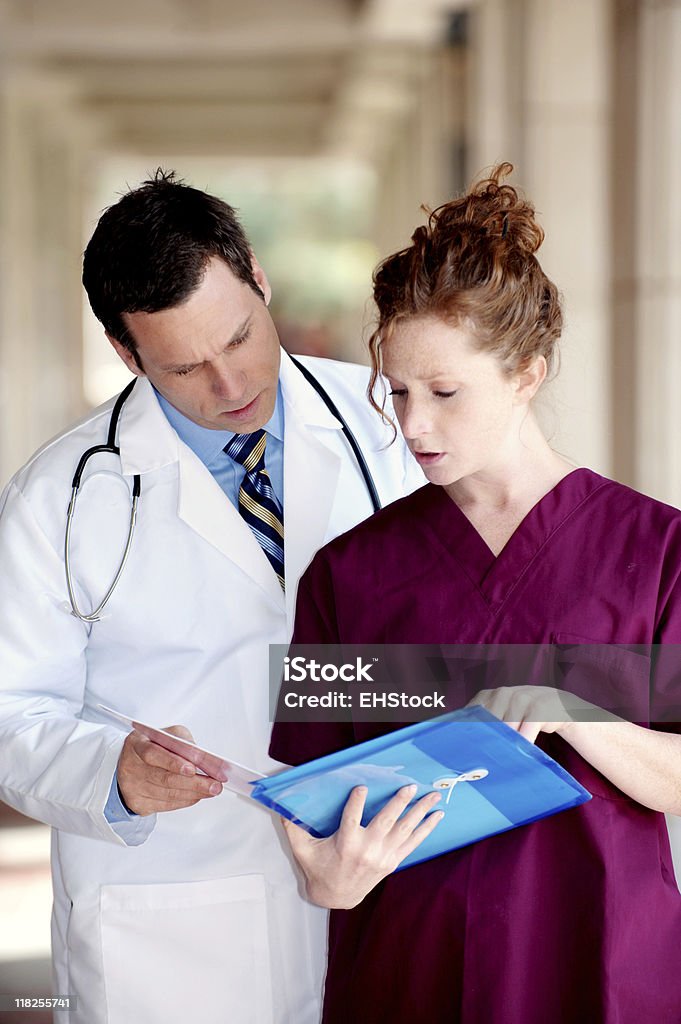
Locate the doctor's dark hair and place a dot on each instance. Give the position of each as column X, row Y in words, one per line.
column 150, row 250
column 473, row 264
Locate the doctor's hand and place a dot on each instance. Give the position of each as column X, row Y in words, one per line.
column 152, row 779
column 342, row 869
column 534, row 709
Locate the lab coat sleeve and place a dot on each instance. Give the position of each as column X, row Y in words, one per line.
column 54, row 766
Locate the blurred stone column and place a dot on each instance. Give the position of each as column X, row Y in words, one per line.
column 17, row 281
column 40, row 247
column 656, row 285
column 413, row 166
column 657, row 463
column 497, row 108
column 544, row 102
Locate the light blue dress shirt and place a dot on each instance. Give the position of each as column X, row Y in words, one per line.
column 208, row 445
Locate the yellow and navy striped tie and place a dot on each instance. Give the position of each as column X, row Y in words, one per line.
column 258, row 504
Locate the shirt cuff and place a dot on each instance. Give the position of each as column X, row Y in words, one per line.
column 115, row 810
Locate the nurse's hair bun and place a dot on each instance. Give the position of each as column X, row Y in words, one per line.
column 473, row 265
column 490, row 210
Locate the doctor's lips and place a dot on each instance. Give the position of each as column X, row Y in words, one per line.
column 244, row 412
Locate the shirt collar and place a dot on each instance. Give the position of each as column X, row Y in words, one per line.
column 208, row 444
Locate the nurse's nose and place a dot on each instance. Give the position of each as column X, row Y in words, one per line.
column 414, row 419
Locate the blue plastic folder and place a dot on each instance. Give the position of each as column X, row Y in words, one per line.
column 491, row 780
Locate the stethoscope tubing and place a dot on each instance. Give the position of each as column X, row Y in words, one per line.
column 352, row 440
column 112, row 448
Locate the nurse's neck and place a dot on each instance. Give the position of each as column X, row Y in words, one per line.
column 518, row 474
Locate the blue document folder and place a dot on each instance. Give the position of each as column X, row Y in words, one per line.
column 491, row 780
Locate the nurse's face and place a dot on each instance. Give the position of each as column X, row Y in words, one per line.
column 457, row 408
column 216, row 356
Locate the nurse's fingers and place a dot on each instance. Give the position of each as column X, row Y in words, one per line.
column 382, row 822
column 420, row 833
column 406, row 825
column 299, row 839
column 351, row 817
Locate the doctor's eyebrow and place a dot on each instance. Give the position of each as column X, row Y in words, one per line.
column 236, row 337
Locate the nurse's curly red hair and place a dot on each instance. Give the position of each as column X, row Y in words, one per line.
column 473, row 264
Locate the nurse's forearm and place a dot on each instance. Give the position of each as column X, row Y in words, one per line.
column 644, row 764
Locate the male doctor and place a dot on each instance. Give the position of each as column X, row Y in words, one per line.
column 173, row 899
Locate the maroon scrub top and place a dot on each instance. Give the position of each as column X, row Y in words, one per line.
column 575, row 919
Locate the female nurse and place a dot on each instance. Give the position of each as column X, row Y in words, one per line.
column 575, row 919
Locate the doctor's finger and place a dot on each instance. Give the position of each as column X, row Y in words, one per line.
column 153, row 805
column 140, row 782
column 176, row 798
column 153, row 754
column 170, row 782
column 148, row 798
column 179, row 730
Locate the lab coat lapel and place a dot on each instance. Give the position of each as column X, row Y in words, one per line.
column 148, row 442
column 311, row 474
column 204, row 507
column 146, row 439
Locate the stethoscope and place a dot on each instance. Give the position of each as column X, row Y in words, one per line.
column 112, row 448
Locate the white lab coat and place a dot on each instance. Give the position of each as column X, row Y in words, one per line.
column 191, row 914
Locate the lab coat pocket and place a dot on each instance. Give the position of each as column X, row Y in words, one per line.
column 187, row 951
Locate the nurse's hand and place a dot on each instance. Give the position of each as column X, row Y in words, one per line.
column 534, row 709
column 342, row 869
column 152, row 779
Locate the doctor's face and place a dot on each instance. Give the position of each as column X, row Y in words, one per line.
column 456, row 406
column 215, row 357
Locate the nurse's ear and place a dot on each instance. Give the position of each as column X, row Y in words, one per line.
column 131, row 359
column 527, row 380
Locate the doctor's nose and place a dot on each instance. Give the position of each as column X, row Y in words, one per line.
column 228, row 384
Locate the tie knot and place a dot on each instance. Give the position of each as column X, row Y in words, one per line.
column 248, row 450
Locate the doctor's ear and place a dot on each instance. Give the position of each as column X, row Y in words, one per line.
column 131, row 359
column 261, row 279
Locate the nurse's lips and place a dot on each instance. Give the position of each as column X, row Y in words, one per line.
column 428, row 458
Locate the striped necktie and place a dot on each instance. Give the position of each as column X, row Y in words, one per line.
column 258, row 504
